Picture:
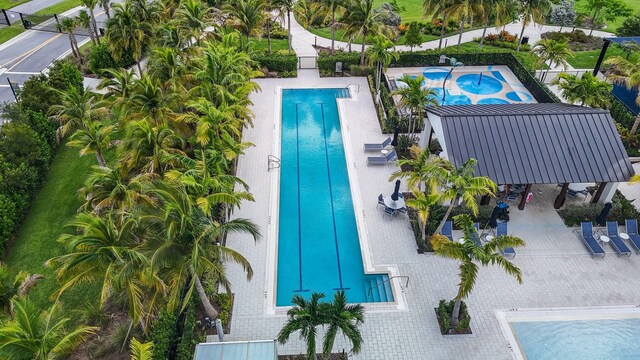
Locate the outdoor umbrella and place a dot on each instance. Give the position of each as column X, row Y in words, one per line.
column 602, row 218
column 394, row 142
column 394, row 196
column 493, row 222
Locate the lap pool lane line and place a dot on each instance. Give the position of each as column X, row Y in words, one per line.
column 333, row 214
column 300, row 289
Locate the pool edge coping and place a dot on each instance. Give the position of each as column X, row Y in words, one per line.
column 270, row 307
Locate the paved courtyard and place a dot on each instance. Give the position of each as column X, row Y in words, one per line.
column 557, row 269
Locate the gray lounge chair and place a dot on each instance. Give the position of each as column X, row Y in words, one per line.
column 389, row 211
column 615, row 240
column 377, row 147
column 591, row 242
column 476, row 236
column 501, row 230
column 632, row 230
column 447, row 230
column 380, row 160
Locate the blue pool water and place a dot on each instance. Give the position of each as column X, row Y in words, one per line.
column 579, row 340
column 488, row 85
column 451, row 99
column 486, row 101
column 318, row 244
column 435, row 75
column 519, row 96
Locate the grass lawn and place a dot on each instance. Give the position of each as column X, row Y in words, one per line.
column 276, row 44
column 59, row 8
column 9, row 32
column 412, row 9
column 611, row 26
column 326, row 33
column 8, row 4
column 587, row 59
column 36, row 241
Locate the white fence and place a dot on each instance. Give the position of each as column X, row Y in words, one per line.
column 548, row 77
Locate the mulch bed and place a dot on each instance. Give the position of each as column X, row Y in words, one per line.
column 443, row 331
column 212, row 331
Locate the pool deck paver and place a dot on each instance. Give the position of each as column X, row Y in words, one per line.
column 557, row 269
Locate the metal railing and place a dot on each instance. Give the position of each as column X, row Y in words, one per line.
column 406, row 285
column 273, row 162
column 547, row 77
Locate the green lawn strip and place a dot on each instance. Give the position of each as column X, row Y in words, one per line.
column 412, row 9
column 59, row 8
column 8, row 4
column 276, row 44
column 326, row 33
column 9, row 32
column 36, row 241
column 611, row 26
column 588, row 59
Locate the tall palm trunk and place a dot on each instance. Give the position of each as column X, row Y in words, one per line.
column 636, row 123
column 269, row 35
column 100, row 158
column 593, row 21
column 204, row 299
column 455, row 314
column 446, row 215
column 289, row 28
column 73, row 46
column 460, row 36
column 94, row 25
column 444, row 22
column 362, row 52
column 524, row 25
column 484, row 33
column 333, row 31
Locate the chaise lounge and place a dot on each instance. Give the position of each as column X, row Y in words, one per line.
column 617, row 242
column 632, row 230
column 589, row 240
column 381, row 160
column 447, row 230
column 501, row 230
column 377, row 147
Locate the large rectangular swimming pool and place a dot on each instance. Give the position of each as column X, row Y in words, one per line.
column 318, row 244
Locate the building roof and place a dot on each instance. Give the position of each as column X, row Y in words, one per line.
column 535, row 143
column 237, row 350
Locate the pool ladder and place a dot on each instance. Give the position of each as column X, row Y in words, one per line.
column 273, row 162
column 377, row 285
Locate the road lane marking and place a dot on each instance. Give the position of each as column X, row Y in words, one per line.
column 30, row 52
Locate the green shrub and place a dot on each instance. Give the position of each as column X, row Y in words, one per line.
column 445, row 311
column 100, row 59
column 8, row 217
column 189, row 338
column 164, row 336
column 224, row 301
column 621, row 209
column 278, row 62
column 64, row 75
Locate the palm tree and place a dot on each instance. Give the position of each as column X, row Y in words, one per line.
column 554, row 52
column 77, row 110
column 345, row 318
column 104, row 251
column 468, row 253
column 105, row 5
column 14, row 286
column 41, row 335
column 148, row 148
column 588, row 90
column 140, row 351
column 285, row 7
column 465, row 10
column 416, row 98
column 152, row 102
column 69, row 25
column 331, row 7
column 126, row 32
column 533, row 11
column 109, row 189
column 194, row 17
column 380, row 55
column 422, row 202
column 627, row 73
column 498, row 13
column 460, row 184
column 307, row 11
column 305, row 316
column 187, row 245
column 360, row 21
column 249, row 16
column 90, row 5
column 431, row 7
column 84, row 20
column 94, row 139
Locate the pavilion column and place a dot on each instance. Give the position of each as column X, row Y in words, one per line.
column 561, row 197
column 596, row 196
column 523, row 200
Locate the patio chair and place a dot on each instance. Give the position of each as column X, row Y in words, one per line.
column 615, row 240
column 381, row 160
column 501, row 230
column 377, row 147
column 402, row 210
column 380, row 200
column 631, row 226
column 476, row 236
column 586, row 229
column 447, row 230
column 389, row 211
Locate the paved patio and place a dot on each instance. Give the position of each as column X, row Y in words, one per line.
column 557, row 269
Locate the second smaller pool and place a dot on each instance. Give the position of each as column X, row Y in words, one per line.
column 479, row 84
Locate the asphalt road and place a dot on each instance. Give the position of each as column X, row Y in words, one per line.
column 31, row 52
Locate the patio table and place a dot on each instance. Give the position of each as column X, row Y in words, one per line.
column 395, row 205
column 604, row 238
column 624, row 236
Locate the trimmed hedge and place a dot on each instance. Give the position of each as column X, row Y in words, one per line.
column 164, row 335
column 279, row 63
